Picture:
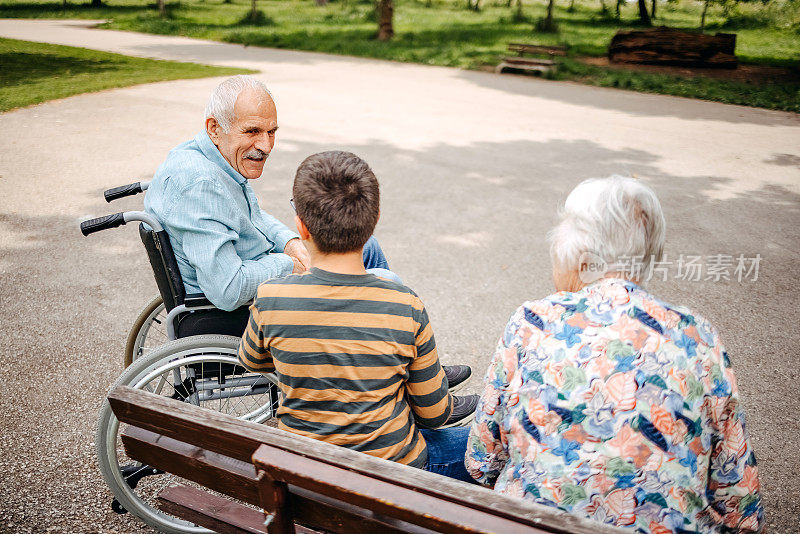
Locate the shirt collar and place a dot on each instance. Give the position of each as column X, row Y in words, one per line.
column 607, row 286
column 210, row 151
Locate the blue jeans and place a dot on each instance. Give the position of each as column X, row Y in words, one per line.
column 375, row 261
column 446, row 450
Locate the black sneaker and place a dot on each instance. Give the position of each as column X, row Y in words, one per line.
column 456, row 375
column 463, row 411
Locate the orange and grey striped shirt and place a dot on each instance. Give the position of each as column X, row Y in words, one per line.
column 356, row 361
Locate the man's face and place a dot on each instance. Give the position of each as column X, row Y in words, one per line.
column 252, row 135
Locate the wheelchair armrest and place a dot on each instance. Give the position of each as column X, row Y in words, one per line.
column 193, row 300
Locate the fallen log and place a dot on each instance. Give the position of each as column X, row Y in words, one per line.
column 667, row 46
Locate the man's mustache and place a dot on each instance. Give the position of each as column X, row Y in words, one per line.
column 256, row 154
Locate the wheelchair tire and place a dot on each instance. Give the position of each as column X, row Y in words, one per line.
column 202, row 360
column 149, row 331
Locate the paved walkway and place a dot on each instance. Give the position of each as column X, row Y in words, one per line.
column 472, row 167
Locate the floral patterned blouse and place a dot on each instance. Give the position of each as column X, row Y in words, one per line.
column 610, row 404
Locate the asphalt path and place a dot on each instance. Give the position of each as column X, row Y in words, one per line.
column 472, row 168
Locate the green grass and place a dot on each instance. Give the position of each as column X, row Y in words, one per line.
column 33, row 73
column 448, row 34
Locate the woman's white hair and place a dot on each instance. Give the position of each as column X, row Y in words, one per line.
column 612, row 220
column 220, row 104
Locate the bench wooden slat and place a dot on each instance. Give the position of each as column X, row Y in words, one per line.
column 215, row 513
column 529, row 61
column 211, row 511
column 369, row 492
column 238, row 480
column 212, row 470
column 238, row 439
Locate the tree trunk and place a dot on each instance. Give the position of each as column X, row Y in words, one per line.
column 162, row 8
column 253, row 11
column 519, row 9
column 549, row 18
column 667, row 46
column 95, row 3
column 644, row 17
column 385, row 14
column 571, row 6
column 619, row 2
column 653, row 10
column 603, row 8
column 703, row 16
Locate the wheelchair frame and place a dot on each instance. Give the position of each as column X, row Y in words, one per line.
column 179, row 366
column 171, row 277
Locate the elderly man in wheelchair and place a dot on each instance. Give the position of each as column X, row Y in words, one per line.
column 210, row 245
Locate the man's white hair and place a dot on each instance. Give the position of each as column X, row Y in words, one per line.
column 611, row 219
column 220, row 104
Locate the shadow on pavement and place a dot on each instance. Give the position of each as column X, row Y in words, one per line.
column 630, row 102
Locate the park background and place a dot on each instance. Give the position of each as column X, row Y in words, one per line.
column 472, row 166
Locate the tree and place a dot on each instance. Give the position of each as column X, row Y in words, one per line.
column 519, row 16
column 548, row 20
column 385, row 15
column 703, row 16
column 653, row 10
column 547, row 24
column 644, row 17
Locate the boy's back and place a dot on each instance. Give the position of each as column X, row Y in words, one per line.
column 355, row 358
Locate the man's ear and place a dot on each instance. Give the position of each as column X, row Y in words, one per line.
column 212, row 126
column 302, row 229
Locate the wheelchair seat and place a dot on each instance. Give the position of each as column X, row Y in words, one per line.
column 173, row 292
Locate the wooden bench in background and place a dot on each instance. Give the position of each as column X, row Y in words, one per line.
column 296, row 484
column 531, row 64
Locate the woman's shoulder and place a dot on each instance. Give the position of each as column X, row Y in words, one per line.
column 677, row 322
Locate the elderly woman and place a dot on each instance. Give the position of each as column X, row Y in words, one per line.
column 608, row 403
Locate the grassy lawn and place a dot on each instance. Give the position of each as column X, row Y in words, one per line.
column 32, row 73
column 444, row 32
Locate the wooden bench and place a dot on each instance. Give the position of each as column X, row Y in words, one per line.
column 531, row 64
column 302, row 485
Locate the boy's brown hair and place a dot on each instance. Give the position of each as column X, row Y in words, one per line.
column 336, row 195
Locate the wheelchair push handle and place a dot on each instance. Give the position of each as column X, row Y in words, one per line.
column 102, row 223
column 125, row 190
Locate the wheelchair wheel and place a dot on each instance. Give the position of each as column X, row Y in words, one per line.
column 148, row 332
column 202, row 370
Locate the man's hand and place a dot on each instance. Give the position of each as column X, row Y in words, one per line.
column 298, row 267
column 297, row 250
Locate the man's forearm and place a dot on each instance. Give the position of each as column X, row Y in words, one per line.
column 239, row 288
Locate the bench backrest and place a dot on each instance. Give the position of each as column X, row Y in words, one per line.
column 315, row 484
column 552, row 50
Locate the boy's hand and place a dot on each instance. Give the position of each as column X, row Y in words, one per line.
column 297, row 250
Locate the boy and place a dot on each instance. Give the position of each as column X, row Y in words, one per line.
column 354, row 354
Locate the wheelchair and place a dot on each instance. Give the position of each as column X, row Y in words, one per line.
column 163, row 358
